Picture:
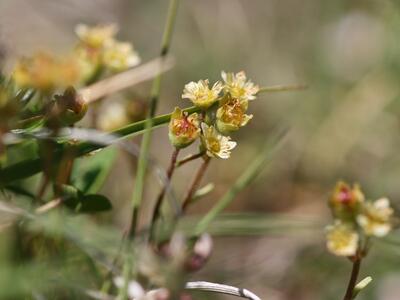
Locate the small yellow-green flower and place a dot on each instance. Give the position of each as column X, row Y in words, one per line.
column 183, row 128
column 216, row 144
column 375, row 218
column 238, row 86
column 96, row 36
column 200, row 93
column 346, row 201
column 119, row 56
column 342, row 239
column 231, row 115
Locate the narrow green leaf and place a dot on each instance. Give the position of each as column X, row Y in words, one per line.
column 77, row 201
column 88, row 203
column 33, row 166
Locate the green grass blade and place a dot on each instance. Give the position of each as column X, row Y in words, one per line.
column 270, row 148
column 155, row 95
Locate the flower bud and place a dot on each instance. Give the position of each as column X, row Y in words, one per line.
column 346, row 201
column 69, row 107
column 201, row 253
column 231, row 115
column 183, row 128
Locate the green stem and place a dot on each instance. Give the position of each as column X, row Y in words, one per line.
column 28, row 168
column 155, row 94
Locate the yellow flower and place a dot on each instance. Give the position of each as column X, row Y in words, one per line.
column 342, row 240
column 238, row 86
column 346, row 200
column 119, row 56
column 45, row 72
column 231, row 115
column 183, row 128
column 96, row 36
column 376, row 217
column 200, row 93
column 216, row 144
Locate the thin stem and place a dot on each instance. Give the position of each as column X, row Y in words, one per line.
column 145, row 146
column 170, row 172
column 196, row 182
column 353, row 278
column 189, row 159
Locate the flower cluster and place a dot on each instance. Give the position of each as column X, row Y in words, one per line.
column 356, row 219
column 222, row 111
column 97, row 51
column 98, row 47
column 46, row 72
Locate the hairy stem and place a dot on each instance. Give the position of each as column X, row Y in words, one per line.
column 196, row 182
column 145, row 146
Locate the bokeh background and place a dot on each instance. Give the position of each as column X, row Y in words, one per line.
column 344, row 126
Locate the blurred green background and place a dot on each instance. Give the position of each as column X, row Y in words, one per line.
column 345, row 125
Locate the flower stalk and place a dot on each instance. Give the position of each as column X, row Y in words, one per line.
column 196, row 182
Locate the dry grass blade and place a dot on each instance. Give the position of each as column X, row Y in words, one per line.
column 221, row 288
column 126, row 79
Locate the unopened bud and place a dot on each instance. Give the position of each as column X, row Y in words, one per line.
column 183, row 128
column 201, row 253
column 70, row 107
column 346, row 200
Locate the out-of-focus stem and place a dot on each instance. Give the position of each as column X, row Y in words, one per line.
column 170, row 172
column 145, row 146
